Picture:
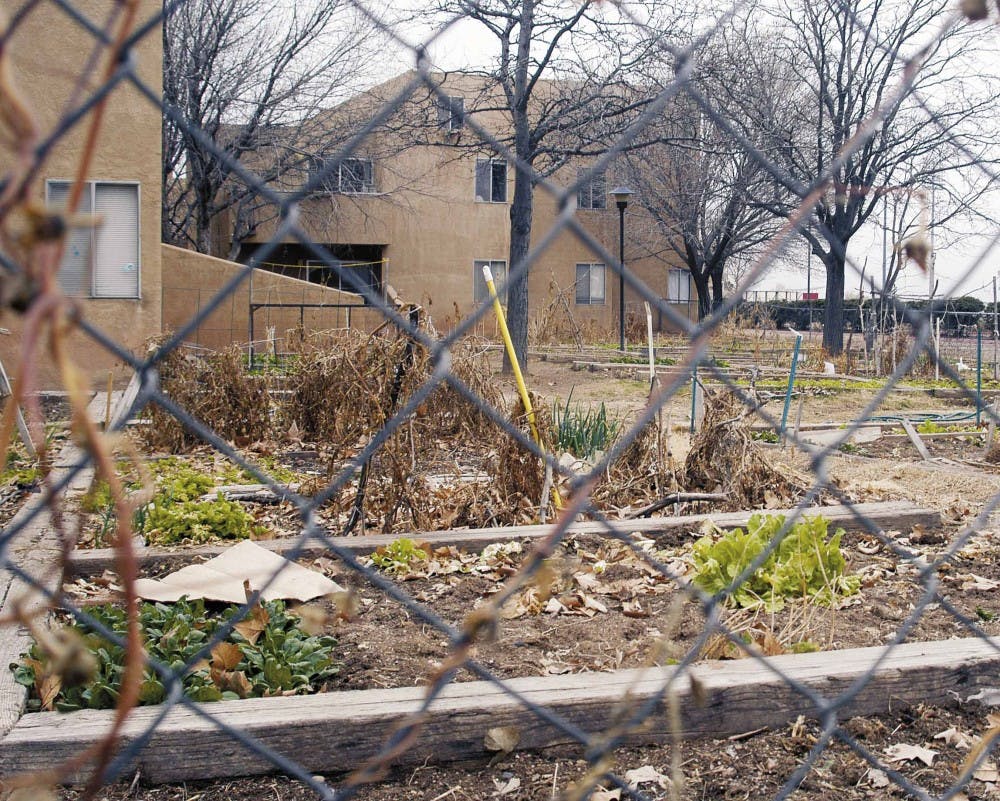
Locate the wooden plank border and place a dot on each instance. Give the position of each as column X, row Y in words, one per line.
column 337, row 732
column 36, row 551
column 901, row 515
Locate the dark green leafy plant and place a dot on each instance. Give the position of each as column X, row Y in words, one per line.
column 804, row 565
column 266, row 654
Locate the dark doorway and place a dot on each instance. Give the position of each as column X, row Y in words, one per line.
column 351, row 267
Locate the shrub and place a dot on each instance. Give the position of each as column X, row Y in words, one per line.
column 265, row 654
column 804, row 565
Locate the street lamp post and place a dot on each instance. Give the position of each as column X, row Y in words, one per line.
column 621, row 194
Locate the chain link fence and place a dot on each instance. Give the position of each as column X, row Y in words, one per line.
column 672, row 698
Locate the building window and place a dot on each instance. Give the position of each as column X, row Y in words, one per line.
column 451, row 113
column 480, row 292
column 593, row 193
column 350, row 177
column 491, row 180
column 590, row 284
column 678, row 286
column 101, row 261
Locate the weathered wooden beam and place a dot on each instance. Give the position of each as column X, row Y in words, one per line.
column 934, row 435
column 900, row 515
column 918, row 443
column 337, row 732
column 256, row 493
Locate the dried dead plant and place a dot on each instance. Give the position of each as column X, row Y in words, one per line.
column 518, row 475
column 34, row 238
column 556, row 323
column 645, row 471
column 724, row 457
column 216, row 389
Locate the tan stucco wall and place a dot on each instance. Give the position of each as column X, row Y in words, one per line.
column 48, row 54
column 192, row 281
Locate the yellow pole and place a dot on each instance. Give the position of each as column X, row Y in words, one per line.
column 522, row 388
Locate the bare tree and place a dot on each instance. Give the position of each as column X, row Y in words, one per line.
column 243, row 82
column 850, row 56
column 561, row 84
column 698, row 185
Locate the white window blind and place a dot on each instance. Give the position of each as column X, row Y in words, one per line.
column 101, row 261
column 116, row 257
column 590, row 284
column 74, row 272
column 679, row 286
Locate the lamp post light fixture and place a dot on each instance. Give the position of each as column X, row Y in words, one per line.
column 621, row 194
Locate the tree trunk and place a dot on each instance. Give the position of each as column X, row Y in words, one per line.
column 704, row 298
column 833, row 320
column 718, row 294
column 517, row 288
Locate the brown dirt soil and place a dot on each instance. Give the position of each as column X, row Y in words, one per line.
column 753, row 767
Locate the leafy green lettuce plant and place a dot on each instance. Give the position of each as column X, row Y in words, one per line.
column 806, row 564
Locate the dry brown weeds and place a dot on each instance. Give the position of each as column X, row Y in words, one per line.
column 216, row 389
column 725, row 457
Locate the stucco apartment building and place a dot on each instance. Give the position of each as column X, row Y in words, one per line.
column 48, row 53
column 424, row 203
column 115, row 272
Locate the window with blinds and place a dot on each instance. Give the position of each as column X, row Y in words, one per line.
column 590, row 285
column 491, row 181
column 678, row 286
column 102, row 260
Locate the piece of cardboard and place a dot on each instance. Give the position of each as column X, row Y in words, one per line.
column 221, row 578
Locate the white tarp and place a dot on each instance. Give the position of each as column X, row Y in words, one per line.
column 221, row 578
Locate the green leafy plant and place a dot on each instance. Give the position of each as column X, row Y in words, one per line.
column 400, row 556
column 806, row 564
column 583, row 433
column 166, row 521
column 176, row 513
column 267, row 653
column 767, row 435
column 930, row 426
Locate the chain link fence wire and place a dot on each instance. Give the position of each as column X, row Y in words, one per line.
column 30, row 263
